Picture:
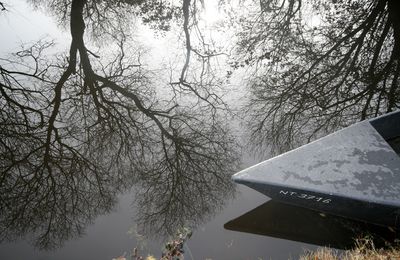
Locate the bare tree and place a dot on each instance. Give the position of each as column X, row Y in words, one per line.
column 78, row 128
column 179, row 193
column 314, row 76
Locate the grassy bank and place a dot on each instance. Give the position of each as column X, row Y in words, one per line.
column 365, row 249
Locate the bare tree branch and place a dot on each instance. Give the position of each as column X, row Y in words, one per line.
column 311, row 80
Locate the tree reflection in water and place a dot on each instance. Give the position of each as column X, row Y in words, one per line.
column 78, row 129
column 317, row 66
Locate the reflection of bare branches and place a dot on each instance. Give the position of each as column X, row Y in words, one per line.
column 189, row 183
column 189, row 187
column 48, row 187
column 312, row 80
column 52, row 209
column 186, row 16
column 197, row 86
column 77, row 130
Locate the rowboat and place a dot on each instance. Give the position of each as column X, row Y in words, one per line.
column 354, row 173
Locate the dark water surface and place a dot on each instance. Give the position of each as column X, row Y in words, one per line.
column 108, row 237
column 255, row 228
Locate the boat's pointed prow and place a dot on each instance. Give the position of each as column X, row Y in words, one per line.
column 354, row 172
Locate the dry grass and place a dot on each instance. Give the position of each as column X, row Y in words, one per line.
column 365, row 249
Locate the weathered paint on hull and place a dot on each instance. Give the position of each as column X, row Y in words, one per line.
column 354, row 173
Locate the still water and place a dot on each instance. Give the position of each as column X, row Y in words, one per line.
column 113, row 144
column 249, row 226
column 109, row 237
